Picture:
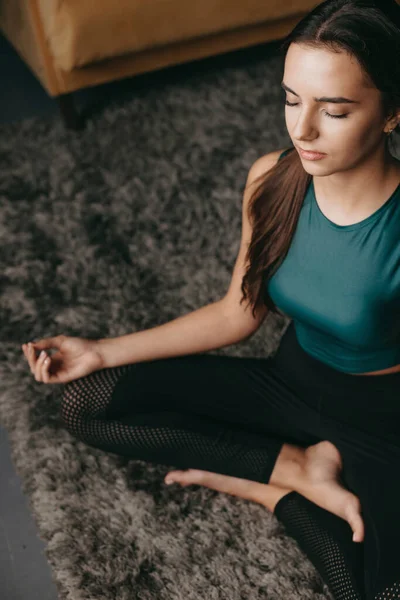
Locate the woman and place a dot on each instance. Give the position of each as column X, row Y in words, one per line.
column 312, row 433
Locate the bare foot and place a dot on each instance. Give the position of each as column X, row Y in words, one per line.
column 321, row 485
column 265, row 494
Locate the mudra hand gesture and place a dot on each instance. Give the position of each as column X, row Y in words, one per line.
column 75, row 357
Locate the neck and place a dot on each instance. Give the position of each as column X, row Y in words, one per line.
column 362, row 187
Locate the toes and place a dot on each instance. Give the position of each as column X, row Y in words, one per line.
column 184, row 478
column 357, row 526
column 355, row 520
column 173, row 477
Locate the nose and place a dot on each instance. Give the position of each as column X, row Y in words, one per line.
column 304, row 129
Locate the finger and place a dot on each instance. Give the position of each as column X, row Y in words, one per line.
column 25, row 351
column 36, row 369
column 45, row 370
column 31, row 358
column 48, row 343
column 39, row 366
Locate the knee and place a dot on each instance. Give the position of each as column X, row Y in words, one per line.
column 87, row 398
column 73, row 405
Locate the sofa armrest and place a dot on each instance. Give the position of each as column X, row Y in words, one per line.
column 82, row 32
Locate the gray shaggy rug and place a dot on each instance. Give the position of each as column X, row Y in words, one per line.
column 121, row 227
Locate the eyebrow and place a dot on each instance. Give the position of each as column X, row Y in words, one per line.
column 338, row 100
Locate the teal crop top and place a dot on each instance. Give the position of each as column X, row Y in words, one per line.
column 341, row 286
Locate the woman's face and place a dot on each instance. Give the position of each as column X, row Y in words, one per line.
column 320, row 73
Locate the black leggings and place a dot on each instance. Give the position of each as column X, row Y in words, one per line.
column 231, row 415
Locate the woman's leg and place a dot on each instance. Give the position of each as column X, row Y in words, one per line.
column 131, row 410
column 364, row 428
column 327, row 541
column 223, row 414
column 377, row 484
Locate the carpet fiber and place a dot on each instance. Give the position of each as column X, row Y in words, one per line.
column 121, row 227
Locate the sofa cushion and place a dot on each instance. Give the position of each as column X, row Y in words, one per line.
column 81, row 32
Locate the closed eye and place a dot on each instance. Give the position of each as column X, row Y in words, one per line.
column 327, row 114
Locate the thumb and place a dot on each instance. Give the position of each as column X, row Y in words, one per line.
column 45, row 343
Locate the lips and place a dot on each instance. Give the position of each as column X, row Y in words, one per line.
column 311, row 151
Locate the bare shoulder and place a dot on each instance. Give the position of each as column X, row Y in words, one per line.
column 263, row 164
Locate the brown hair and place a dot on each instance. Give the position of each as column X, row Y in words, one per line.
column 366, row 29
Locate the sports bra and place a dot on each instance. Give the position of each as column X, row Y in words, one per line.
column 341, row 286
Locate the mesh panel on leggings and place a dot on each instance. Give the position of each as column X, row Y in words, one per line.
column 184, row 440
column 327, row 541
column 391, row 592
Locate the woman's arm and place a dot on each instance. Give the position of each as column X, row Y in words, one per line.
column 207, row 328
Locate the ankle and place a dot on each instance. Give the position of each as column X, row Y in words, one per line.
column 289, row 467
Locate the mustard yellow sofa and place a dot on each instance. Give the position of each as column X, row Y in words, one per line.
column 73, row 44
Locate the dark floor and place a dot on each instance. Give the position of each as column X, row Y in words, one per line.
column 24, row 571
